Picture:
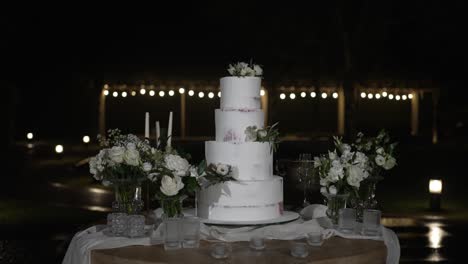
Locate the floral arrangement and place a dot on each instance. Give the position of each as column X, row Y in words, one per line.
column 242, row 69
column 122, row 158
column 342, row 170
column 212, row 174
column 379, row 149
column 268, row 134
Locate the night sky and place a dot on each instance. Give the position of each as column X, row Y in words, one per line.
column 57, row 58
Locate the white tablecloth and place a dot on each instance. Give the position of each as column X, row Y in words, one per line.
column 93, row 238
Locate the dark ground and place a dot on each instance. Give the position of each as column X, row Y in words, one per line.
column 45, row 199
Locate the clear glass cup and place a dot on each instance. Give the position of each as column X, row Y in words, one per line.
column 172, row 233
column 220, row 250
column 257, row 243
column 190, row 232
column 135, row 225
column 371, row 225
column 315, row 238
column 119, row 223
column 299, row 249
column 347, row 220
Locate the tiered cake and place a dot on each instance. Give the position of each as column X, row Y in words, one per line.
column 257, row 194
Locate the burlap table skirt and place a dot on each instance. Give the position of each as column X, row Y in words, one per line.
column 333, row 250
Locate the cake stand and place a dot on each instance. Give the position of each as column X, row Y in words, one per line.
column 287, row 216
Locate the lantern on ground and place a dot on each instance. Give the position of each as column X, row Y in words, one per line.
column 435, row 191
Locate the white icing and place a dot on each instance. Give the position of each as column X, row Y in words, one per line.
column 249, row 160
column 231, row 125
column 242, row 200
column 240, row 92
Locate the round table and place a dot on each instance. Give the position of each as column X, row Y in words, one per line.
column 333, row 250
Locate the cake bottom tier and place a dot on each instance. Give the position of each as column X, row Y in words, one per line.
column 242, row 200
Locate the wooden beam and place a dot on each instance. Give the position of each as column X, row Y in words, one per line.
column 102, row 113
column 341, row 111
column 415, row 114
column 183, row 116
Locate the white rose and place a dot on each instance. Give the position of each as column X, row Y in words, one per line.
column 116, row 154
column 332, row 190
column 323, row 181
column 222, row 169
column 132, row 157
column 380, row 151
column 332, row 155
column 231, row 69
column 355, row 176
column 258, row 70
column 380, row 160
column 243, row 72
column 390, row 163
column 262, row 133
column 250, row 72
column 152, row 176
column 177, row 164
column 323, row 190
column 171, row 186
column 147, row 167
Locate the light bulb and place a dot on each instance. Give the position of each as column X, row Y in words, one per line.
column 152, row 93
column 59, row 149
column 384, row 94
column 133, row 93
column 210, row 94
column 363, row 95
column 201, row 94
column 124, row 94
column 191, row 93
column 303, row 94
column 29, row 136
column 377, row 96
column 397, row 97
column 86, row 139
column 404, row 97
column 324, row 95
column 115, row 94
column 106, row 92
column 390, row 96
column 335, row 95
column 370, row 96
column 161, row 93
column 181, row 90
column 292, row 96
column 282, row 96
column 410, row 96
column 313, row 94
column 171, row 93
column 262, row 92
column 142, row 91
column 219, row 94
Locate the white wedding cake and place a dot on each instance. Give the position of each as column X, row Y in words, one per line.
column 256, row 194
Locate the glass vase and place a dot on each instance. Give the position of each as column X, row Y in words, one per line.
column 364, row 198
column 335, row 202
column 127, row 197
column 172, row 206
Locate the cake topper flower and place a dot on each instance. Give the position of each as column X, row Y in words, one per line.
column 243, row 69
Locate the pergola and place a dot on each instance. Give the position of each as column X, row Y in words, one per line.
column 376, row 90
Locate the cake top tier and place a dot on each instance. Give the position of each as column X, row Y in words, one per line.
column 240, row 93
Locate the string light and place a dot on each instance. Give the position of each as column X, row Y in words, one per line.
column 390, row 96
column 106, row 86
column 191, row 93
column 171, row 93
column 397, row 97
column 410, row 96
column 292, row 96
column 181, row 90
column 282, row 96
column 143, row 91
column 133, row 93
column 303, row 94
column 152, row 93
column 404, row 97
column 370, row 96
column 210, row 94
column 313, row 94
column 335, row 95
column 86, row 139
column 219, row 94
column 29, row 136
column 363, row 95
column 384, row 94
column 262, row 92
column 59, row 149
column 377, row 96
column 201, row 94
column 115, row 94
column 106, row 92
column 324, row 95
column 161, row 93
column 124, row 94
